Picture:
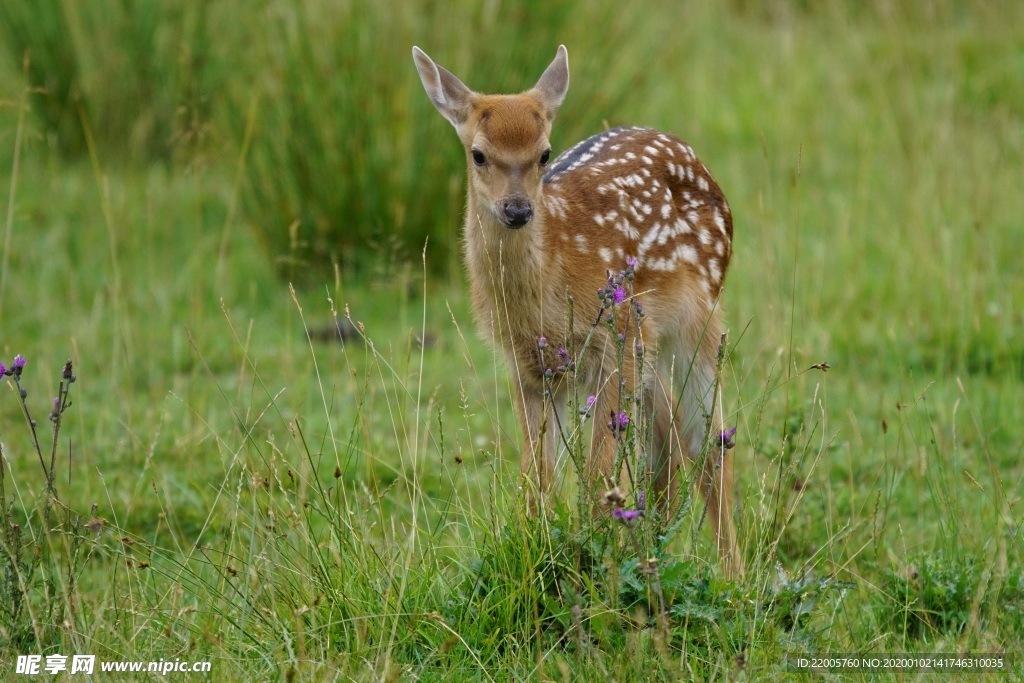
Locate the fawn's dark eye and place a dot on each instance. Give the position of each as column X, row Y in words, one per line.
column 544, row 157
column 478, row 157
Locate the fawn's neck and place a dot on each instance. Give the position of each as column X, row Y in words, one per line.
column 502, row 254
column 507, row 267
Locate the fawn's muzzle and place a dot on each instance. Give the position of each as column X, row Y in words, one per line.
column 517, row 212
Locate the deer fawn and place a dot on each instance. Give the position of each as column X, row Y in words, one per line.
column 540, row 232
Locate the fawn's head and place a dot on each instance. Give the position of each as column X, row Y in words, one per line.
column 505, row 136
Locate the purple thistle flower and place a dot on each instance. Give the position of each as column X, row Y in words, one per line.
column 563, row 354
column 619, row 295
column 626, row 516
column 619, row 422
column 591, row 400
column 630, row 262
column 726, row 439
column 17, row 364
column 3, row 370
column 542, row 343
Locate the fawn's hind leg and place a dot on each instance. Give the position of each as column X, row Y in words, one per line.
column 681, row 415
column 716, row 482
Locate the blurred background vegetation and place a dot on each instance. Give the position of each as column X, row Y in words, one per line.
column 342, row 157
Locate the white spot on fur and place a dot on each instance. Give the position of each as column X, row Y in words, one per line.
column 716, row 273
column 556, row 205
column 631, row 180
column 719, row 221
column 687, row 253
column 649, row 239
column 634, row 209
column 627, row 229
column 605, row 254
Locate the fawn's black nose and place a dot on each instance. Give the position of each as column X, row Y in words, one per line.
column 518, row 212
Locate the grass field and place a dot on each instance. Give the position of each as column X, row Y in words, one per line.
column 228, row 485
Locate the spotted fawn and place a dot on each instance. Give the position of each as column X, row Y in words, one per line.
column 541, row 232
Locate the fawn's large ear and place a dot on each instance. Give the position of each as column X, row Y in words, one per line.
column 448, row 93
column 554, row 83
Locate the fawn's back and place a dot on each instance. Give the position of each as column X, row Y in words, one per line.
column 635, row 193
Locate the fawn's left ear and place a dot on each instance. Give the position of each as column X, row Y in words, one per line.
column 554, row 83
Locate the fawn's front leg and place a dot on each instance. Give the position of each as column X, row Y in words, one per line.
column 537, row 461
column 613, row 414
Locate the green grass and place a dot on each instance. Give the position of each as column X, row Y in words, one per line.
column 296, row 510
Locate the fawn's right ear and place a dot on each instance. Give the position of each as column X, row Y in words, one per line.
column 448, row 93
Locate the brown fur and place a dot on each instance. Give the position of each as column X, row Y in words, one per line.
column 628, row 193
